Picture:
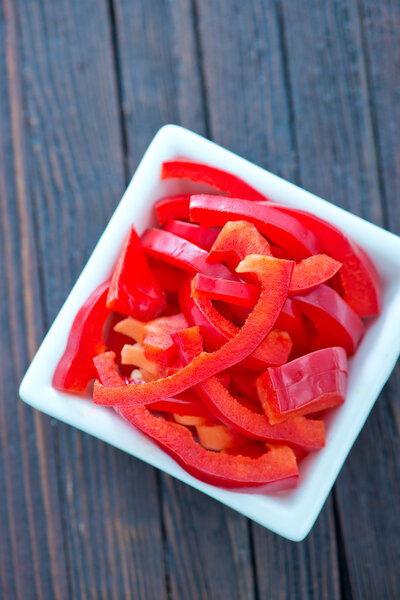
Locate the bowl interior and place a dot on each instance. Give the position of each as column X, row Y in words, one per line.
column 289, row 513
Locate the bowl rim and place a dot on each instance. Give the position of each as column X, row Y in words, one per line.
column 290, row 514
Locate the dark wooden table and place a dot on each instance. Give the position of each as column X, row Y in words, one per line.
column 309, row 89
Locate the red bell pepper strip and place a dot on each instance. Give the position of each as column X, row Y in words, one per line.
column 336, row 323
column 272, row 471
column 157, row 343
column 291, row 320
column 311, row 272
column 280, row 228
column 273, row 350
column 359, row 278
column 204, row 237
column 307, row 274
column 235, row 292
column 236, row 240
column 302, row 433
column 173, row 207
column 274, row 275
column 180, row 253
column 187, row 404
column 317, row 392
column 170, row 278
column 75, row 369
column 300, row 369
column 133, row 289
column 221, row 180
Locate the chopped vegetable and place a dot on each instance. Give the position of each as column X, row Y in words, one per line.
column 75, row 369
column 135, row 291
column 275, row 284
column 221, row 180
column 280, row 228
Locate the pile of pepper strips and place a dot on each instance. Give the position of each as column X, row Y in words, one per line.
column 237, row 315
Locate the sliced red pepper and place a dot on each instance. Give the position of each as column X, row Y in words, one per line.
column 170, row 278
column 312, row 271
column 274, row 275
column 317, row 392
column 107, row 369
column 274, row 470
column 300, row 369
column 243, row 382
column 180, row 253
column 307, row 274
column 291, row 320
column 157, row 343
column 280, row 228
column 187, row 404
column 236, row 240
column 235, row 292
column 359, row 278
column 204, row 237
column 221, row 180
column 302, row 433
column 75, row 369
column 273, row 350
column 173, row 207
column 133, row 289
column 335, row 322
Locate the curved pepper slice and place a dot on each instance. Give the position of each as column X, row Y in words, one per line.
column 307, row 274
column 75, row 369
column 204, row 237
column 274, row 275
column 312, row 271
column 180, row 253
column 187, row 404
column 358, row 275
column 274, row 470
column 236, row 240
column 317, row 392
column 273, row 350
column 301, row 432
column 133, row 289
column 300, row 369
column 173, row 207
column 335, row 322
column 221, row 180
column 280, row 228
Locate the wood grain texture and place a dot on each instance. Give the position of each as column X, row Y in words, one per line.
column 380, row 26
column 338, row 159
column 110, row 508
column 161, row 83
column 245, row 57
column 33, row 562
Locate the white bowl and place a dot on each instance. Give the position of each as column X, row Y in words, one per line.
column 290, row 514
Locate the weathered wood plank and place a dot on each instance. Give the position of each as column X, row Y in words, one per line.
column 250, row 108
column 207, row 547
column 110, row 507
column 33, row 563
column 339, row 160
column 380, row 26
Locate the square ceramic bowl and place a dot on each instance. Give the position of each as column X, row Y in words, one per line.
column 290, row 514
